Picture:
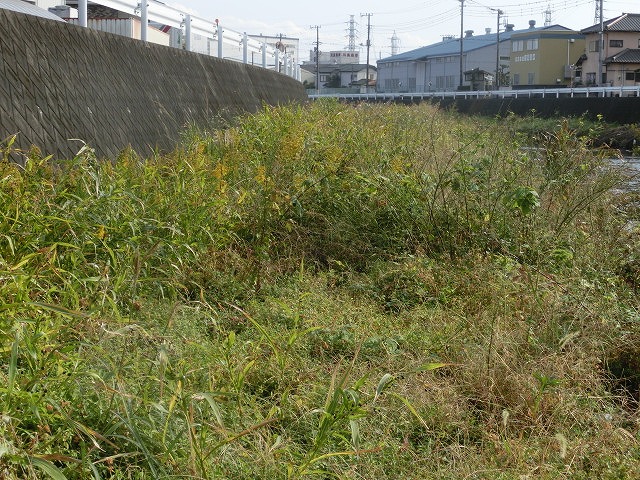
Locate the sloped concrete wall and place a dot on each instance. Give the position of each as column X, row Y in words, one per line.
column 624, row 110
column 61, row 85
column 612, row 109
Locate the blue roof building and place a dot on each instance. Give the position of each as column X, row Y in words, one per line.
column 437, row 67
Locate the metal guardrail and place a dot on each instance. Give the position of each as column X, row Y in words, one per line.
column 242, row 46
column 531, row 93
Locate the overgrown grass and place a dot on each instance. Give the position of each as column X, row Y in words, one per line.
column 325, row 291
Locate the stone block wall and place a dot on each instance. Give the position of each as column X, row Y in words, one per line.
column 61, row 85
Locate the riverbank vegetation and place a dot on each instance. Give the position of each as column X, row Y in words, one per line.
column 600, row 134
column 325, row 291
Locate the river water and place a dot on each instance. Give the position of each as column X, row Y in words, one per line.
column 632, row 166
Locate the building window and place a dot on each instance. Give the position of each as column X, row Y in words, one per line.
column 392, row 84
column 516, row 79
column 594, row 46
column 591, row 78
column 532, row 44
column 324, row 78
column 531, row 78
column 615, row 43
column 451, row 81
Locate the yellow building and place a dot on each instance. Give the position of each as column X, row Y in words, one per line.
column 545, row 57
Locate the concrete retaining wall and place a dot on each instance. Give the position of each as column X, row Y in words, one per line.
column 60, row 82
column 624, row 110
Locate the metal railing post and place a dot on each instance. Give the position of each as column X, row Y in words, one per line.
column 245, row 48
column 187, row 33
column 82, row 13
column 277, row 66
column 144, row 20
column 264, row 54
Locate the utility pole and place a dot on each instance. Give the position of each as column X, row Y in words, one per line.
column 368, row 15
column 497, row 82
column 601, row 40
column 461, row 37
column 317, row 27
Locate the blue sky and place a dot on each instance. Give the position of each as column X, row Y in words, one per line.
column 416, row 23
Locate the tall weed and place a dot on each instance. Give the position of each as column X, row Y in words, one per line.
column 183, row 315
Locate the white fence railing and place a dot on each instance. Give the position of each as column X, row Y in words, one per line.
column 633, row 91
column 220, row 41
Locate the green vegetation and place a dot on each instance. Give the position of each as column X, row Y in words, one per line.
column 325, row 291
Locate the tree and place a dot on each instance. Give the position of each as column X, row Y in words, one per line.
column 334, row 80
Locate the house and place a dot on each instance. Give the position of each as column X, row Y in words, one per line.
column 616, row 56
column 29, row 8
column 339, row 75
column 479, row 79
column 546, row 57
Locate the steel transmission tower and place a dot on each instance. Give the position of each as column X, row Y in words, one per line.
column 547, row 16
column 352, row 34
column 395, row 44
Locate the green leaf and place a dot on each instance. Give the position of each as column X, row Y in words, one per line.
column 386, row 379
column 13, row 364
column 355, row 433
column 48, row 468
column 412, row 409
column 214, row 406
column 524, row 199
column 57, row 309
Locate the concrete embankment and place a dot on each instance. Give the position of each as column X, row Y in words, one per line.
column 61, row 85
column 611, row 109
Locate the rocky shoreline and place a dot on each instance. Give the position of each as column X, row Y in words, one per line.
column 625, row 138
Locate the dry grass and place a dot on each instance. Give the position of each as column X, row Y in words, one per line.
column 330, row 292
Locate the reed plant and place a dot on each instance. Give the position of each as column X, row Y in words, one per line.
column 321, row 291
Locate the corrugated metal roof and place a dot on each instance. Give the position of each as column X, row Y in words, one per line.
column 629, row 55
column 627, row 22
column 24, row 7
column 452, row 46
